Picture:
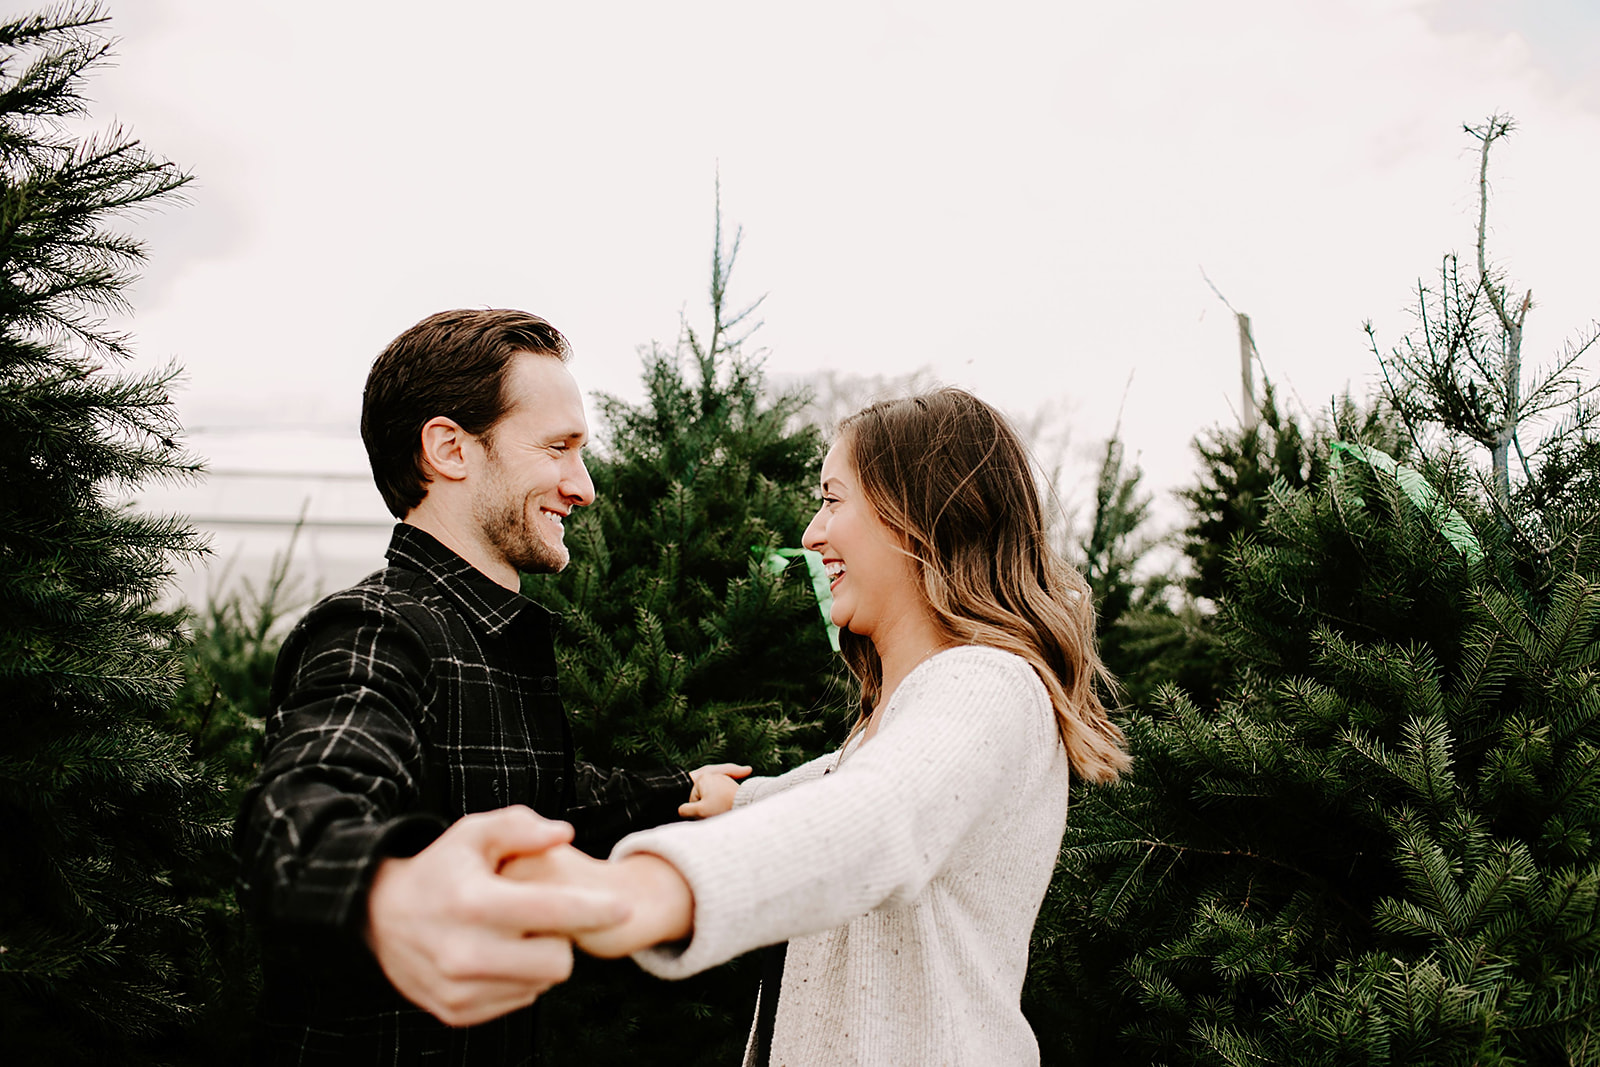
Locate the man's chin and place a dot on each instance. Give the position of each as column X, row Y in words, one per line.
column 543, row 562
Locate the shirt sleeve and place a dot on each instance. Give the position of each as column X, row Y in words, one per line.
column 610, row 804
column 871, row 834
column 339, row 779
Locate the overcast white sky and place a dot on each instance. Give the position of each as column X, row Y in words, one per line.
column 1019, row 196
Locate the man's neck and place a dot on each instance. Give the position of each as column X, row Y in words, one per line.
column 461, row 538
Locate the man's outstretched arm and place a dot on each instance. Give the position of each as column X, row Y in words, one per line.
column 611, row 804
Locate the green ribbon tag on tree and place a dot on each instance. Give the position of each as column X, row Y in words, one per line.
column 1417, row 489
column 778, row 559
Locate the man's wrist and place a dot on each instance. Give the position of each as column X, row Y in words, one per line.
column 383, row 868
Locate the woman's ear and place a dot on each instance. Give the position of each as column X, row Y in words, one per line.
column 444, row 447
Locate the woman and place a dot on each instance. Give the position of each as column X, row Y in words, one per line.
column 907, row 869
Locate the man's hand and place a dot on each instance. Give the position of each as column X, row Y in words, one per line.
column 714, row 787
column 466, row 944
column 660, row 901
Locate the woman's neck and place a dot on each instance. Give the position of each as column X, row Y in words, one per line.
column 901, row 649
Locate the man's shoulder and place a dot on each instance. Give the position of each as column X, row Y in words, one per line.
column 392, row 596
column 391, row 616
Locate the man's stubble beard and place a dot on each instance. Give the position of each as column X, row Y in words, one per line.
column 505, row 524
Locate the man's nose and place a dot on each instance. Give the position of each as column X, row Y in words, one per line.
column 577, row 485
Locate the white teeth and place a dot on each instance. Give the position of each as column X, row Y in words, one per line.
column 555, row 518
column 834, row 570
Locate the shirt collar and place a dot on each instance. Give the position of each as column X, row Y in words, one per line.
column 484, row 600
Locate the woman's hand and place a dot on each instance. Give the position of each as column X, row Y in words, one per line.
column 661, row 902
column 714, row 787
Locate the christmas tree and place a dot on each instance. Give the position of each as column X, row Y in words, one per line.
column 229, row 651
column 1157, row 627
column 101, row 805
column 1148, row 632
column 685, row 640
column 1381, row 845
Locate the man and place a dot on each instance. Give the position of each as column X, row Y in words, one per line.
column 417, row 720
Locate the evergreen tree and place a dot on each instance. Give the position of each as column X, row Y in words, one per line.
column 1463, row 372
column 679, row 644
column 100, row 805
column 229, row 653
column 1238, row 468
column 1382, row 844
column 1175, row 641
column 1147, row 633
column 1112, row 547
column 1157, row 628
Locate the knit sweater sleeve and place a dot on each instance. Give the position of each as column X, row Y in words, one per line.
column 954, row 745
column 754, row 789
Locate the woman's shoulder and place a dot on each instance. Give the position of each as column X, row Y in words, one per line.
column 977, row 687
column 981, row 658
column 979, row 665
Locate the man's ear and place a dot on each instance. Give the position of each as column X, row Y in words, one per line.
column 444, row 446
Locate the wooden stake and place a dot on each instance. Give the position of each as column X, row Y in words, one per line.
column 1247, row 410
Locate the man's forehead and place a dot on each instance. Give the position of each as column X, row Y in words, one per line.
column 542, row 387
column 538, row 369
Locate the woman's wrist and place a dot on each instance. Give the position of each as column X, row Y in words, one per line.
column 660, row 893
column 661, row 902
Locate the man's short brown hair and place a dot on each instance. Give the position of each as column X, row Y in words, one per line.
column 452, row 364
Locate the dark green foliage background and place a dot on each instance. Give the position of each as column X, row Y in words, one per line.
column 228, row 659
column 1379, row 848
column 1362, row 828
column 677, row 644
column 108, row 817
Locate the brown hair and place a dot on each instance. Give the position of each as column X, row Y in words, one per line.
column 948, row 474
column 451, row 364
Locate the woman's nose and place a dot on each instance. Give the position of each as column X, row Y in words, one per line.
column 816, row 533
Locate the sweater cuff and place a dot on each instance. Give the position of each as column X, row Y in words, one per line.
column 749, row 791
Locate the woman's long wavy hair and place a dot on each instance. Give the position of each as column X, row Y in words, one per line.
column 948, row 474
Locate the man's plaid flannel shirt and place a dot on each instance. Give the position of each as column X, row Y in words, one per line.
column 421, row 694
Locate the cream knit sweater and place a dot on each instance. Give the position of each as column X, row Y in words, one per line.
column 905, row 875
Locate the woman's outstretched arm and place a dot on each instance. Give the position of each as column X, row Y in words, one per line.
column 968, row 738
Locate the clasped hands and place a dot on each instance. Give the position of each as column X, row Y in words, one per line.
column 483, row 920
